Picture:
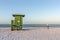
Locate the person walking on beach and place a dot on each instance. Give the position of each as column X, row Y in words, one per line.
column 47, row 26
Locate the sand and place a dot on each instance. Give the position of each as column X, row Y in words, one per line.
column 30, row 34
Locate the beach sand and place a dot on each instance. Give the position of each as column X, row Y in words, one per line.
column 30, row 34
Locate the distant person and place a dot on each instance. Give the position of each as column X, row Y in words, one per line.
column 47, row 26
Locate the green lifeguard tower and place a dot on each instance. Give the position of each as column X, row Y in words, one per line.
column 16, row 24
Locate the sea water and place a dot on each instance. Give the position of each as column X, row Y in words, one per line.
column 30, row 25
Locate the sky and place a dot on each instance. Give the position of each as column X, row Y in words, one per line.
column 36, row 11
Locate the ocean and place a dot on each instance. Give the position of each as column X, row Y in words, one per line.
column 32, row 25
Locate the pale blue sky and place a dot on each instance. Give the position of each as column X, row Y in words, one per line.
column 36, row 11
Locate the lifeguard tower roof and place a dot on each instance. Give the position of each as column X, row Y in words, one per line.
column 18, row 15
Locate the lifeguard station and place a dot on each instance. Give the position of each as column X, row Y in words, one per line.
column 16, row 24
